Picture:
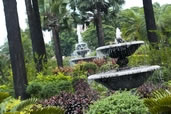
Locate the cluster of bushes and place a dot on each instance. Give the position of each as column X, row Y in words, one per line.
column 74, row 103
column 9, row 105
column 119, row 103
column 47, row 86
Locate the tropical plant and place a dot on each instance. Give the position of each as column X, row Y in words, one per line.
column 96, row 9
column 74, row 103
column 160, row 102
column 3, row 95
column 132, row 24
column 47, row 86
column 56, row 17
column 90, row 34
column 118, row 103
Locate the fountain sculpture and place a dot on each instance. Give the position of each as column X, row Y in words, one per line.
column 124, row 77
column 81, row 49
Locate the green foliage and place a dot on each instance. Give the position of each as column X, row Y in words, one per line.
column 102, row 90
column 132, row 24
column 44, row 79
column 108, row 66
column 24, row 104
column 34, row 89
column 66, row 61
column 47, row 86
column 49, row 110
column 8, row 104
column 55, row 88
column 84, row 68
column 119, row 103
column 160, row 103
column 29, row 106
column 90, row 37
column 3, row 95
column 68, row 41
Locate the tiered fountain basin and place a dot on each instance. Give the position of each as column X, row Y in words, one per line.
column 121, row 50
column 124, row 79
column 86, row 59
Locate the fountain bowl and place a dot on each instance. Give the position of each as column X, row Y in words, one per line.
column 120, row 50
column 124, row 79
column 86, row 59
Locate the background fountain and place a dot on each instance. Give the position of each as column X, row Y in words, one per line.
column 124, row 77
column 81, row 48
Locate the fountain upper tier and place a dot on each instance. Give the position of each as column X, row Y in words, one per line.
column 120, row 50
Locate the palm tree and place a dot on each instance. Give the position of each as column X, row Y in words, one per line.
column 132, row 24
column 55, row 17
column 150, row 21
column 38, row 45
column 98, row 8
column 15, row 48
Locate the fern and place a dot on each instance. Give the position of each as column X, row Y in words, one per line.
column 3, row 95
column 24, row 104
column 48, row 110
column 159, row 103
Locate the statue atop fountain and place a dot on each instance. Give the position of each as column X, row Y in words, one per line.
column 123, row 77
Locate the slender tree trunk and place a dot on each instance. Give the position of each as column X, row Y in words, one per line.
column 2, row 73
column 15, row 48
column 150, row 21
column 57, row 46
column 99, row 28
column 38, row 45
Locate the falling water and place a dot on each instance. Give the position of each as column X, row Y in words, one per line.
column 79, row 29
column 118, row 33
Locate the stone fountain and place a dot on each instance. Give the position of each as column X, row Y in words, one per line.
column 81, row 49
column 123, row 77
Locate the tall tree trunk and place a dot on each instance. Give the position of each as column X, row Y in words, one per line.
column 99, row 28
column 150, row 21
column 15, row 48
column 57, row 46
column 38, row 45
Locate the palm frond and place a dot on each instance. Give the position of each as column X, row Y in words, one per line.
column 49, row 110
column 160, row 102
column 24, row 104
column 3, row 95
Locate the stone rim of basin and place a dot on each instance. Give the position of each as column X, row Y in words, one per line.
column 119, row 45
column 114, row 73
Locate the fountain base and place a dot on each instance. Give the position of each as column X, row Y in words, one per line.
column 125, row 79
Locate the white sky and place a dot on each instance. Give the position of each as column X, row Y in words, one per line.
column 23, row 16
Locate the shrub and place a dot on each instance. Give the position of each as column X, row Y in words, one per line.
column 147, row 89
column 55, row 88
column 108, row 66
column 74, row 103
column 34, row 89
column 99, row 62
column 119, row 103
column 64, row 70
column 47, row 86
column 85, row 68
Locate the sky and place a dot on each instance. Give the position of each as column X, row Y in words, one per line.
column 47, row 36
